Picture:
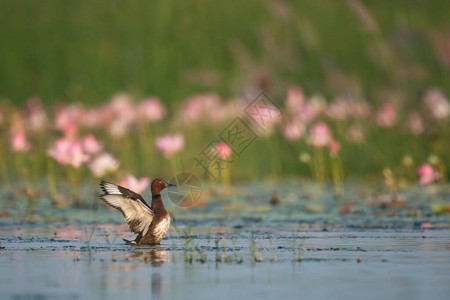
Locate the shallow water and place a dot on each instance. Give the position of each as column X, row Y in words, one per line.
column 55, row 261
column 233, row 244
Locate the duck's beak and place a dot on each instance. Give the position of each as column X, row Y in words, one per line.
column 170, row 185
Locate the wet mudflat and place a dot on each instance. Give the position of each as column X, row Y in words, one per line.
column 56, row 261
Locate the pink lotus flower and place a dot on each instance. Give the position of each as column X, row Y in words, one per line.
column 67, row 151
column 151, row 110
column 437, row 104
column 387, row 115
column 135, row 184
column 427, row 174
column 335, row 147
column 319, row 135
column 103, row 164
column 91, row 145
column 224, row 150
column 170, row 144
column 294, row 130
column 19, row 143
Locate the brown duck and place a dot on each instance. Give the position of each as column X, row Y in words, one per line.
column 151, row 223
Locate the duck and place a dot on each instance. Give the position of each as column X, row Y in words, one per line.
column 149, row 222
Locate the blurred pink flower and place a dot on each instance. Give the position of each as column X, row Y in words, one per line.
column 123, row 108
column 19, row 142
column 68, row 151
column 294, row 130
column 295, row 99
column 151, row 109
column 103, row 164
column 200, row 107
column 67, row 116
column 307, row 113
column 224, row 150
column 426, row 225
column 123, row 113
column 319, row 135
column 91, row 144
column 265, row 114
column 427, row 174
column 70, row 131
column 36, row 116
column 135, row 184
column 18, row 138
column 415, row 123
column 119, row 128
column 1, row 115
column 90, row 119
column 335, row 147
column 77, row 154
column 96, row 117
column 338, row 110
column 437, row 104
column 170, row 144
column 60, row 151
column 386, row 115
column 100, row 116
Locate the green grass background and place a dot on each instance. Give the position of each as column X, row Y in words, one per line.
column 87, row 51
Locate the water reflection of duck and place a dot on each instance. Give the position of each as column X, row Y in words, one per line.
column 151, row 223
column 156, row 257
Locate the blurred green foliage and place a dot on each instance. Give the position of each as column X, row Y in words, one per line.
column 88, row 50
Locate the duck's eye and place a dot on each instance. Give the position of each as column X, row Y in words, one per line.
column 160, row 182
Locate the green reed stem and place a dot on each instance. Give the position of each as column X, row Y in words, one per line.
column 51, row 178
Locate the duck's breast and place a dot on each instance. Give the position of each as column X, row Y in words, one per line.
column 161, row 228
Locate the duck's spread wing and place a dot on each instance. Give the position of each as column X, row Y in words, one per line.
column 133, row 207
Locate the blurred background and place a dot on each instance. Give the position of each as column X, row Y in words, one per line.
column 86, row 52
column 126, row 90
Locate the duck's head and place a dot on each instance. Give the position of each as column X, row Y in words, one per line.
column 159, row 184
